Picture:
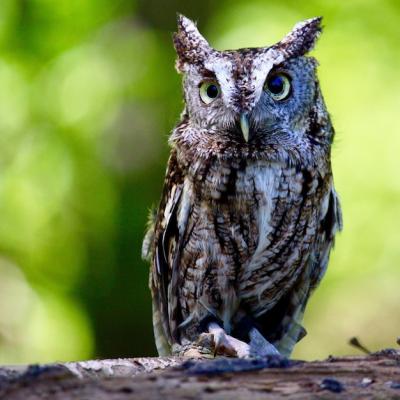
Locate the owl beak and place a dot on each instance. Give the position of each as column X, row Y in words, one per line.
column 244, row 126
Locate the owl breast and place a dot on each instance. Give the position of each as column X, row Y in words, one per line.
column 249, row 234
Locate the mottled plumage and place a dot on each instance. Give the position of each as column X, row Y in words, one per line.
column 248, row 212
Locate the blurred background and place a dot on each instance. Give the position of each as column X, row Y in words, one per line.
column 88, row 96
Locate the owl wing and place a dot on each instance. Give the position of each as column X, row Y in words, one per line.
column 330, row 222
column 162, row 246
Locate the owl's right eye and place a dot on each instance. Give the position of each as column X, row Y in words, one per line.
column 209, row 91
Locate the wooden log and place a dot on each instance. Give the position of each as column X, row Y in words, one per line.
column 375, row 376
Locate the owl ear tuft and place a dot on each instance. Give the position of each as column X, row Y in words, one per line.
column 190, row 45
column 302, row 38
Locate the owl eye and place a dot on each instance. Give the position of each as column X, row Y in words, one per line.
column 278, row 85
column 209, row 91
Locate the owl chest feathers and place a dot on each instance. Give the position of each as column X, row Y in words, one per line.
column 248, row 230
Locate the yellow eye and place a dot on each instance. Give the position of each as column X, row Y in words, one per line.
column 209, row 91
column 278, row 86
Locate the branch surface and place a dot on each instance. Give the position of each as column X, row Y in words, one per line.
column 375, row 376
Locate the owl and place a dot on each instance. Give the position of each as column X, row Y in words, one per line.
column 248, row 212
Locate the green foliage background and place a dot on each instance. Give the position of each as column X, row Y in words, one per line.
column 88, row 94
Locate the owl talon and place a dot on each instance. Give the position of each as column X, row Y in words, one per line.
column 227, row 345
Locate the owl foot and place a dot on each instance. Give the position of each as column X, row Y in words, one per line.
column 213, row 343
column 227, row 345
column 216, row 342
column 202, row 348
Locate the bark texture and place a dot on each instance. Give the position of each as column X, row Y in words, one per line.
column 375, row 376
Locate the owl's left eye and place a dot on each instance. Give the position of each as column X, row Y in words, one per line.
column 278, row 85
column 209, row 91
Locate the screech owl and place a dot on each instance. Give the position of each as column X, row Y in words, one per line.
column 249, row 211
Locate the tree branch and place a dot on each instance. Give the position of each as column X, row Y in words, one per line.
column 375, row 376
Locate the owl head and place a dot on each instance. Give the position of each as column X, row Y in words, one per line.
column 254, row 97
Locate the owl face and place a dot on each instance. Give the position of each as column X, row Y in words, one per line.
column 255, row 95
